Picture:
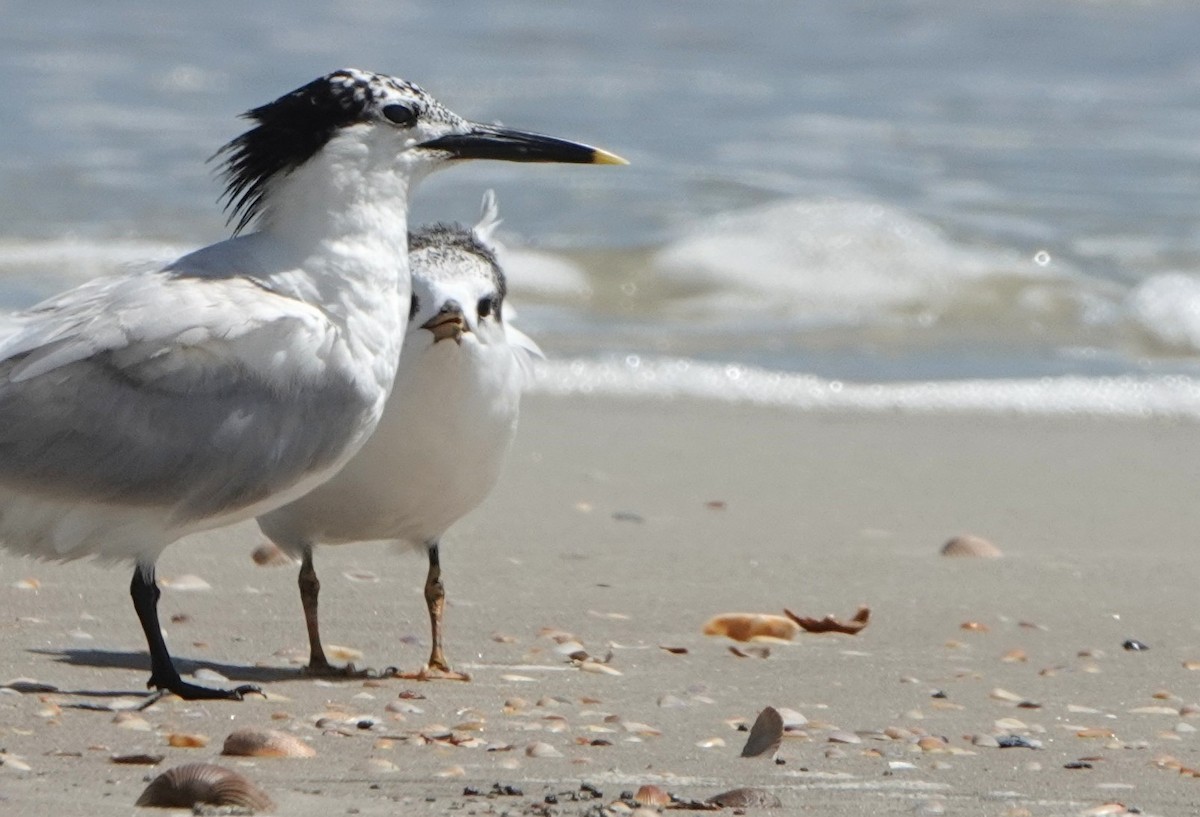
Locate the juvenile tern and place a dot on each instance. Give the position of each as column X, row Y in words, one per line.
column 135, row 410
column 438, row 450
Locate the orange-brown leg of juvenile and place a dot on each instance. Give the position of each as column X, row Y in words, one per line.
column 310, row 589
column 435, row 601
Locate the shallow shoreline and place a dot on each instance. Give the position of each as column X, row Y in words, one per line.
column 628, row 524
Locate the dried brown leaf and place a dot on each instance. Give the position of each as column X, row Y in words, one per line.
column 829, row 624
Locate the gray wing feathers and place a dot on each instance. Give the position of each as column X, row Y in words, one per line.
column 94, row 410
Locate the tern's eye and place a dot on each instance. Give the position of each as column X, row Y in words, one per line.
column 401, row 115
column 487, row 306
column 413, row 307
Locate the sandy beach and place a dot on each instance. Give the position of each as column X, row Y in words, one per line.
column 628, row 525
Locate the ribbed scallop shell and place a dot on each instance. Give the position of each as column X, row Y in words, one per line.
column 652, row 796
column 203, row 783
column 265, row 743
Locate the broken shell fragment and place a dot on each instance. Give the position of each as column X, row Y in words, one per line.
column 203, row 784
column 971, row 546
column 747, row 626
column 265, row 743
column 185, row 741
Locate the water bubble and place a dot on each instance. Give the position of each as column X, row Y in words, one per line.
column 633, row 361
column 629, row 288
column 1041, row 258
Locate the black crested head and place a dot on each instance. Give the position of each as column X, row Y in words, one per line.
column 292, row 129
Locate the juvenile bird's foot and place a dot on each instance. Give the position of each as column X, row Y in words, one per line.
column 428, row 673
column 323, row 669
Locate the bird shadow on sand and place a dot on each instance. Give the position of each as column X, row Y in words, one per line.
column 140, row 661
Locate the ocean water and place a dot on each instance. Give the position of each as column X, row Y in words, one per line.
column 917, row 205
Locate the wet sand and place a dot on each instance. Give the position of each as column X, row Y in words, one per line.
column 628, row 525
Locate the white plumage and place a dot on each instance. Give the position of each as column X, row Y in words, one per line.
column 440, row 446
column 136, row 410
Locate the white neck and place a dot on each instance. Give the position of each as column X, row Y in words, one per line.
column 342, row 220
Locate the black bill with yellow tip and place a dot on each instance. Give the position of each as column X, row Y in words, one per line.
column 495, row 142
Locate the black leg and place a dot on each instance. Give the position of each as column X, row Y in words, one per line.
column 163, row 674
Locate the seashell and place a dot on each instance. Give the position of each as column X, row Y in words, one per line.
column 842, row 736
column 403, row 707
column 340, row 653
column 181, row 740
column 139, row 759
column 652, row 796
column 540, row 749
column 265, row 743
column 765, row 735
column 638, row 728
column 1105, row 808
column 746, row 626
column 13, row 761
column 268, row 554
column 751, row 652
column 131, row 720
column 745, row 798
column 599, row 668
column 379, row 764
column 203, row 783
column 187, row 582
column 27, row 584
column 792, row 720
column 28, row 686
column 1154, row 710
column 1004, row 695
column 971, row 546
